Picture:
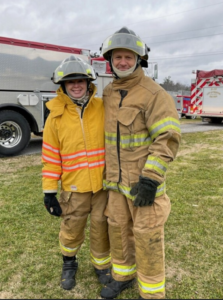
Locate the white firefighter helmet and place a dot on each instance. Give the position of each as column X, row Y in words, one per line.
column 73, row 67
column 125, row 39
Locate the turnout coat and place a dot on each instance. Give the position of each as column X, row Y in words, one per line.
column 73, row 145
column 142, row 132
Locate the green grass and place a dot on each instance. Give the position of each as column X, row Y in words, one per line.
column 186, row 121
column 30, row 259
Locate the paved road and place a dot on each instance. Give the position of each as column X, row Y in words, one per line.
column 36, row 143
column 195, row 127
column 34, row 147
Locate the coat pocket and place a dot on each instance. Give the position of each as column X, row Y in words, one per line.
column 132, row 127
column 131, row 120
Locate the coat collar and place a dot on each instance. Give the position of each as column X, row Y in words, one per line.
column 128, row 82
column 58, row 104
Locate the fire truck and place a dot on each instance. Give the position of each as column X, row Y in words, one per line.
column 182, row 100
column 207, row 96
column 183, row 103
column 26, row 69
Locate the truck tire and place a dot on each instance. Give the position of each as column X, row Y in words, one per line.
column 14, row 133
column 215, row 120
column 193, row 117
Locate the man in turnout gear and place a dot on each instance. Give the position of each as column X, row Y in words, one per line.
column 142, row 136
column 73, row 153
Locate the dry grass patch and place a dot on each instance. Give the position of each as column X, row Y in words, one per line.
column 7, row 295
column 193, row 149
column 11, row 165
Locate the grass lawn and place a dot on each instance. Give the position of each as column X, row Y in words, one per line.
column 30, row 259
column 187, row 121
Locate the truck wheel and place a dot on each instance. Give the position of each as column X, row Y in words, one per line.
column 14, row 133
column 215, row 120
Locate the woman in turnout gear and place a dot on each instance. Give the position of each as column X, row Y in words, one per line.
column 142, row 136
column 73, row 154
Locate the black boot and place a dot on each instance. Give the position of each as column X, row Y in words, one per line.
column 104, row 276
column 69, row 270
column 113, row 289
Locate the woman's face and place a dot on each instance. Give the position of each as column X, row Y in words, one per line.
column 77, row 88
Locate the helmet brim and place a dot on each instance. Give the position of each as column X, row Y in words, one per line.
column 73, row 77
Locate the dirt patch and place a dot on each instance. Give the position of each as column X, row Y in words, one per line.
column 8, row 165
column 175, row 272
column 14, row 283
column 195, row 149
column 6, row 295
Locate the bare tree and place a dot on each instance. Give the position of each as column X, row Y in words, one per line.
column 169, row 85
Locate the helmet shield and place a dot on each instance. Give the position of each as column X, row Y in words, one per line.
column 125, row 41
column 73, row 68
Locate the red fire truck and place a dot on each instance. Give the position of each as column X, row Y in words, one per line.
column 207, row 96
column 182, row 100
column 183, row 103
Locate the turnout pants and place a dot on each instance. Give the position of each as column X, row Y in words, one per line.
column 76, row 207
column 137, row 242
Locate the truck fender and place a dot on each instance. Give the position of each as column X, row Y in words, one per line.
column 23, row 111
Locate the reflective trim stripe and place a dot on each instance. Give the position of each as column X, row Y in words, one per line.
column 124, row 270
column 116, row 187
column 74, row 155
column 149, row 288
column 80, row 154
column 157, row 164
column 50, row 148
column 84, row 165
column 100, row 261
column 110, row 138
column 75, row 167
column 67, row 249
column 111, row 185
column 96, row 152
column 126, row 141
column 135, row 140
column 163, row 126
column 50, row 174
column 161, row 189
column 51, row 159
column 98, row 163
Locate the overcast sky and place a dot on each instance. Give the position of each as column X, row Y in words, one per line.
column 183, row 35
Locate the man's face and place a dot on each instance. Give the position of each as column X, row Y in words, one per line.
column 123, row 59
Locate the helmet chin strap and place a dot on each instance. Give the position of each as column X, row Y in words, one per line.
column 82, row 100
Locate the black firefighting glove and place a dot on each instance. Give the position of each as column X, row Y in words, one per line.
column 145, row 191
column 52, row 205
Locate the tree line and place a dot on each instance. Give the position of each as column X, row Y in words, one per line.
column 169, row 85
